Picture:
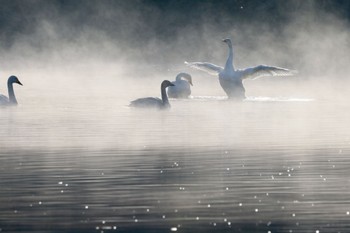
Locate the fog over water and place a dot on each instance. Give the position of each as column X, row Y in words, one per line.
column 59, row 43
column 75, row 158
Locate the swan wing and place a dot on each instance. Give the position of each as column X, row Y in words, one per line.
column 263, row 71
column 205, row 66
column 4, row 99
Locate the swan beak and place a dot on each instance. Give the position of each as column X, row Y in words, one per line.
column 19, row 83
column 190, row 82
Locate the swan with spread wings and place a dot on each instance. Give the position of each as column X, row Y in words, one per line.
column 231, row 79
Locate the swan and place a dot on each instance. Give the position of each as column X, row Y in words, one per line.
column 231, row 79
column 11, row 100
column 153, row 102
column 182, row 88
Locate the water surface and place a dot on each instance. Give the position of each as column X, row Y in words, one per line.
column 91, row 164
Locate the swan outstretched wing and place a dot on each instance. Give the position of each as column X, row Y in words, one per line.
column 205, row 66
column 263, row 71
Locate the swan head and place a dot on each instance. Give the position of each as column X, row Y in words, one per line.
column 186, row 76
column 227, row 41
column 14, row 79
column 166, row 83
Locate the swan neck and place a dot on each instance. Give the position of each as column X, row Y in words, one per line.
column 164, row 97
column 229, row 62
column 12, row 97
column 180, row 75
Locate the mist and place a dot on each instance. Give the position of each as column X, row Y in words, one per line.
column 75, row 157
column 61, row 41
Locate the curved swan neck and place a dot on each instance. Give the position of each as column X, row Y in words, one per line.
column 178, row 77
column 181, row 75
column 12, row 97
column 184, row 76
column 164, row 97
column 229, row 62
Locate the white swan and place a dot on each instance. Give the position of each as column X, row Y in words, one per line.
column 231, row 79
column 11, row 100
column 182, row 88
column 152, row 102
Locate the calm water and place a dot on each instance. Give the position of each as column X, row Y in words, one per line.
column 91, row 164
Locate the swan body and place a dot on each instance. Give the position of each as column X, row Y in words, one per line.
column 231, row 79
column 182, row 88
column 11, row 99
column 154, row 102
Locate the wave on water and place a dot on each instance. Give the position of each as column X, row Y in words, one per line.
column 277, row 99
column 208, row 98
column 254, row 99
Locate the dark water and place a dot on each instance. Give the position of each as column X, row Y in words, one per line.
column 207, row 165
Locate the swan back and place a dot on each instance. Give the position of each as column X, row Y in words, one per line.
column 148, row 102
column 182, row 87
column 3, row 99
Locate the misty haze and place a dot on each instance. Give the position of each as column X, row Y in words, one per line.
column 75, row 157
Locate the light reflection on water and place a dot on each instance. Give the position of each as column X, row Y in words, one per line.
column 207, row 165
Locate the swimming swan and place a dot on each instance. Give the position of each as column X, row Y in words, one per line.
column 182, row 88
column 11, row 100
column 231, row 79
column 152, row 102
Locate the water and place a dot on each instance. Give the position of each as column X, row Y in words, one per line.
column 84, row 162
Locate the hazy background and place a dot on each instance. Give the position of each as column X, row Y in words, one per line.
column 74, row 158
column 93, row 47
